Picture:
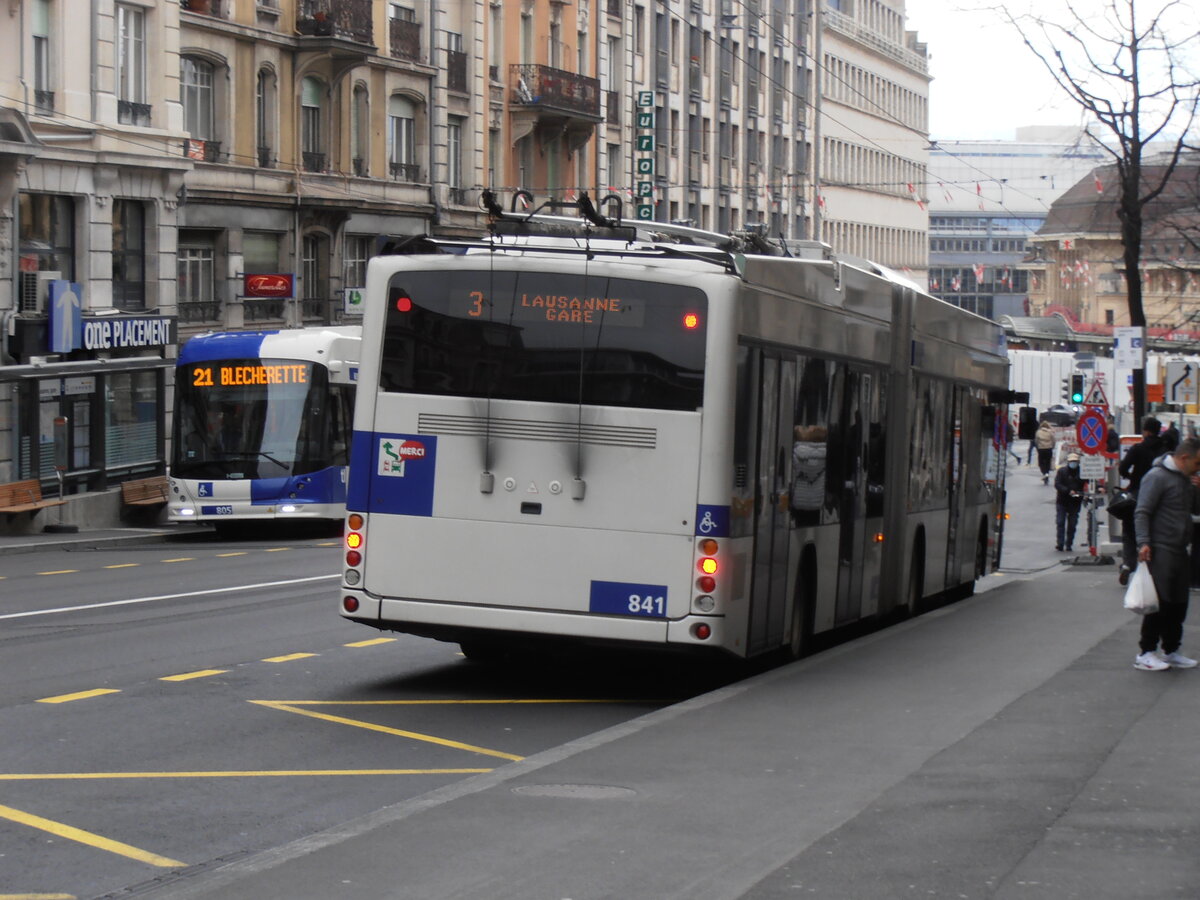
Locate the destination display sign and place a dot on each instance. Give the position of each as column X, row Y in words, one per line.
column 565, row 309
column 210, row 375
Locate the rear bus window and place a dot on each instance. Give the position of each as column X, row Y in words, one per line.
column 547, row 337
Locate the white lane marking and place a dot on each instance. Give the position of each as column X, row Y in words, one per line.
column 224, row 590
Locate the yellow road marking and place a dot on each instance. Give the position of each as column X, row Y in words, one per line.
column 87, row 837
column 81, row 695
column 289, row 657
column 223, row 555
column 370, row 643
column 384, row 729
column 284, row 773
column 60, row 572
column 440, row 702
column 188, row 676
column 123, row 566
column 275, row 549
column 179, row 559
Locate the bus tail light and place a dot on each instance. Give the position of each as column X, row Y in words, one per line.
column 706, row 584
column 701, row 631
column 355, row 541
column 350, row 604
column 353, row 558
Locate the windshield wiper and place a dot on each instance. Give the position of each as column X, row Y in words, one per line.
column 252, row 454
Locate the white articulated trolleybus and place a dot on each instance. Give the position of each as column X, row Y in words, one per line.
column 262, row 425
column 651, row 435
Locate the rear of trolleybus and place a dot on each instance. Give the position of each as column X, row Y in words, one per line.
column 532, row 455
column 261, row 427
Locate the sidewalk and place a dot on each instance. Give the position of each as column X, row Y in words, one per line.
column 1004, row 746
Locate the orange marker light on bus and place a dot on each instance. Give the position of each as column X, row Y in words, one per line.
column 355, row 521
column 690, row 321
column 708, row 547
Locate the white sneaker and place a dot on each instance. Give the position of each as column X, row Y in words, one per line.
column 1177, row 660
column 1150, row 662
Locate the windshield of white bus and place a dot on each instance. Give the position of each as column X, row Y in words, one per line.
column 545, row 336
column 253, row 418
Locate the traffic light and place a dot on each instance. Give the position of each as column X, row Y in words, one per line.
column 1077, row 388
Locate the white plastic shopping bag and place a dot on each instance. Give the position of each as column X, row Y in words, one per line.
column 1140, row 596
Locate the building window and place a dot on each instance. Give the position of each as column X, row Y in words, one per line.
column 314, row 264
column 47, row 234
column 196, row 95
column 129, row 254
column 196, row 277
column 402, row 147
column 132, row 108
column 264, row 118
column 260, row 254
column 43, row 93
column 454, row 131
column 311, row 133
column 354, row 260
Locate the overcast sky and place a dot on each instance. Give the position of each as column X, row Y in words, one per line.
column 986, row 83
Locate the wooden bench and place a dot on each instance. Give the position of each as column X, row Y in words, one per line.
column 24, row 496
column 145, row 491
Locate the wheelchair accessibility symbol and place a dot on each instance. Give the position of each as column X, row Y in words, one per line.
column 712, row 521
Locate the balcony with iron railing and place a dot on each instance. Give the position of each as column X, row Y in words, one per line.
column 266, row 158
column 456, row 71
column 348, row 20
column 131, row 113
column 202, row 151
column 401, row 171
column 214, row 8
column 43, row 102
column 612, row 107
column 405, row 39
column 543, row 87
column 313, row 161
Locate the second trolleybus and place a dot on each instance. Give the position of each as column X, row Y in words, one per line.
column 665, row 438
column 262, row 425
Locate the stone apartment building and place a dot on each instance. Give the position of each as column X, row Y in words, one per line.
column 154, row 153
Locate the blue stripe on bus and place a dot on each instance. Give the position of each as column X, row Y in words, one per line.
column 227, row 345
column 322, row 486
column 392, row 473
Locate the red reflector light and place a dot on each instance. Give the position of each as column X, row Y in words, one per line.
column 708, row 566
column 403, row 303
column 702, row 631
column 690, row 321
column 706, row 583
column 354, row 540
column 350, row 604
column 355, row 521
column 353, row 558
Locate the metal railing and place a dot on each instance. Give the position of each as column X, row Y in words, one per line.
column 612, row 108
column 313, row 162
column 130, row 113
column 348, row 19
column 405, row 39
column 262, row 309
column 536, row 85
column 456, row 70
column 43, row 102
column 847, row 26
column 405, row 171
column 265, row 160
column 192, row 311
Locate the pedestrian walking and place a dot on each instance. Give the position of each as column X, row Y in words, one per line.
column 1167, row 499
column 1136, row 463
column 1068, row 488
column 1170, row 438
column 1009, row 435
column 1045, row 449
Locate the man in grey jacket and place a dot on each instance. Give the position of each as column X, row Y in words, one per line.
column 1162, row 522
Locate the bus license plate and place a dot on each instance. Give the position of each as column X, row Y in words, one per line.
column 619, row 598
column 216, row 510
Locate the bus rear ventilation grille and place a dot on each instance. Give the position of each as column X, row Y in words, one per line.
column 538, row 430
